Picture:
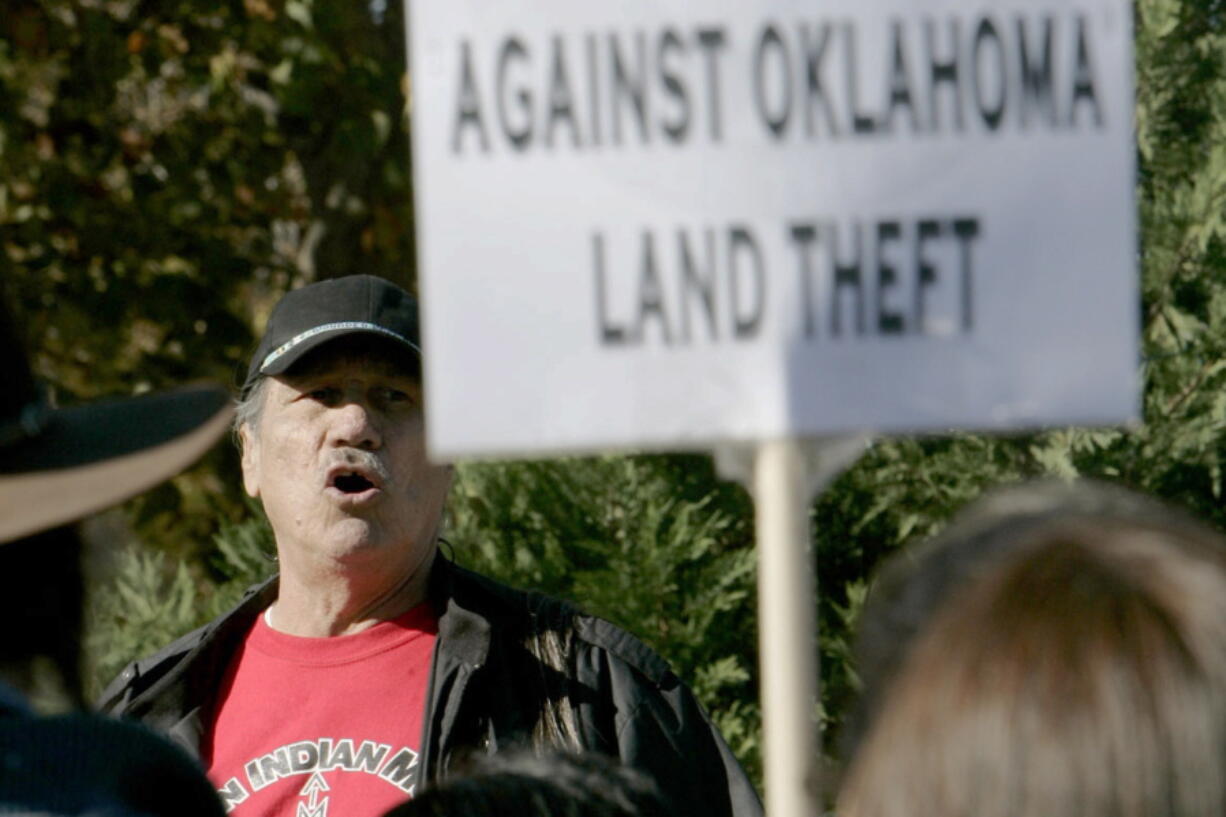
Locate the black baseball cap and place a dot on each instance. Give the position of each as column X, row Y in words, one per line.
column 315, row 314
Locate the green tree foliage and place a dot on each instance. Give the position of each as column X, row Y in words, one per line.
column 150, row 598
column 655, row 544
column 907, row 487
column 1181, row 137
column 167, row 170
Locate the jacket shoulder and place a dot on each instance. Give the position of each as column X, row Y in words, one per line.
column 627, row 647
column 592, row 632
column 504, row 603
column 142, row 672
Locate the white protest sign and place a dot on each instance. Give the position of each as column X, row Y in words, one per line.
column 669, row 224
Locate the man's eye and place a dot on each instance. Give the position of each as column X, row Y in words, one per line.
column 324, row 394
column 393, row 395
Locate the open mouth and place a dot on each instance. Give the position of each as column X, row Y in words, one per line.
column 351, row 483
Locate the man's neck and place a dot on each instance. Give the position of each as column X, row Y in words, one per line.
column 320, row 604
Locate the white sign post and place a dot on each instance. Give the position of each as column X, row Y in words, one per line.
column 665, row 225
column 784, row 476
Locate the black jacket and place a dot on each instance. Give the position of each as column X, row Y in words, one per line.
column 488, row 687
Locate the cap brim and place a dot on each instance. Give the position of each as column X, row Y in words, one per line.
column 284, row 361
column 93, row 456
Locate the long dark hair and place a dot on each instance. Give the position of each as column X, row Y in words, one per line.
column 41, row 601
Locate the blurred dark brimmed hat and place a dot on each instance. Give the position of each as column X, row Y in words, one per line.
column 315, row 314
column 60, row 464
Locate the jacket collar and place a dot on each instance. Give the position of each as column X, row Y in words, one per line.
column 462, row 624
column 465, row 617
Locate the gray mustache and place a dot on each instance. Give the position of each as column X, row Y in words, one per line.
column 357, row 458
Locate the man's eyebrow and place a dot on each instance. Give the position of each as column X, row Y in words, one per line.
column 385, row 370
column 412, row 377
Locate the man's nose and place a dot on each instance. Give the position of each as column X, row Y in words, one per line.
column 354, row 426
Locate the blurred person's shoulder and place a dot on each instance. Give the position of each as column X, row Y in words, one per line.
column 77, row 764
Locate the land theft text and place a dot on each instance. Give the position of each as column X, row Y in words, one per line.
column 855, row 278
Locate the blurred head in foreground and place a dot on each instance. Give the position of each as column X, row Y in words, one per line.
column 1056, row 651
column 529, row 785
column 58, row 465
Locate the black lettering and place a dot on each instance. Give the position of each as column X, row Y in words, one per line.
column 651, row 294
column 967, row 230
column 926, row 274
column 677, row 128
column 561, row 100
column 860, row 122
column 304, row 757
column 746, row 322
column 468, row 106
column 985, row 33
column 610, row 335
column 900, row 95
column 1083, row 78
column 275, row 765
column 399, row 770
column 846, row 274
column 629, row 85
column 774, row 115
column 520, row 136
column 1036, row 73
column 232, row 793
column 697, row 283
column 815, row 55
column 943, row 72
column 711, row 40
column 341, row 757
column 593, row 87
column 370, row 755
column 254, row 776
column 803, row 236
column 888, row 323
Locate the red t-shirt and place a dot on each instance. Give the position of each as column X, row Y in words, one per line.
column 307, row 727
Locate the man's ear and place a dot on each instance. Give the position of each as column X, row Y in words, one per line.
column 250, row 444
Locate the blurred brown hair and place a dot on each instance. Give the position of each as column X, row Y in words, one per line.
column 1059, row 651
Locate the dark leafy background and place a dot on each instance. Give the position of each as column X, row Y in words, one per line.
column 168, row 169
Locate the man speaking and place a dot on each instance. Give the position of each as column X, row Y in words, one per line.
column 372, row 663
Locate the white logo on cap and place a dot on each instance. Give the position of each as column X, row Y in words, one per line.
column 362, row 326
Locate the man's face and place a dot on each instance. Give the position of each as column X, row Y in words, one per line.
column 338, row 460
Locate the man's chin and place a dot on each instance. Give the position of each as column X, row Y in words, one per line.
column 356, row 536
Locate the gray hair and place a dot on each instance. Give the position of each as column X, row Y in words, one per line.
column 249, row 407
